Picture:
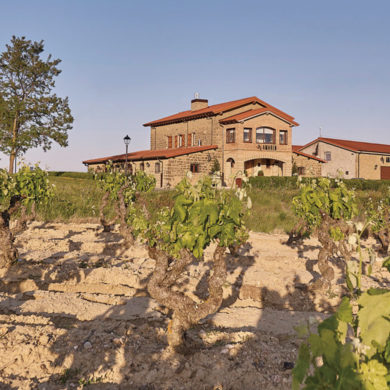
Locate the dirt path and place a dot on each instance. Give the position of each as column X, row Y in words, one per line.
column 74, row 311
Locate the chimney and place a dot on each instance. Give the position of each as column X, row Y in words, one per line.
column 198, row 104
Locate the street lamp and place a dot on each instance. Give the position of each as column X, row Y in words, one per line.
column 126, row 140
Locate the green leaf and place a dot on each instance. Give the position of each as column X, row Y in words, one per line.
column 374, row 326
column 301, row 367
column 374, row 375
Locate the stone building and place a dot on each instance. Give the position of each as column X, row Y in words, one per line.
column 306, row 165
column 246, row 136
column 351, row 159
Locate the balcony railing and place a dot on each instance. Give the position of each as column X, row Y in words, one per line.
column 267, row 147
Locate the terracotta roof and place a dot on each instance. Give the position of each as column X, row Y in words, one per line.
column 151, row 154
column 251, row 113
column 295, row 149
column 354, row 146
column 214, row 110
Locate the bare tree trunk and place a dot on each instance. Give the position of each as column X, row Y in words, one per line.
column 186, row 312
column 13, row 149
column 11, row 162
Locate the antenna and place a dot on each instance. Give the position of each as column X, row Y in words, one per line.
column 196, row 95
column 320, row 131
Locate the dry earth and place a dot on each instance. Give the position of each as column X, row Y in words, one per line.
column 74, row 312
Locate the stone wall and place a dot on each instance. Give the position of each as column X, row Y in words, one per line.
column 342, row 163
column 312, row 168
column 369, row 165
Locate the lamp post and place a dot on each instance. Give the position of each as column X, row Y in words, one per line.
column 126, row 140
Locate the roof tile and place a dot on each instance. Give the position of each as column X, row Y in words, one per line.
column 152, row 154
column 216, row 109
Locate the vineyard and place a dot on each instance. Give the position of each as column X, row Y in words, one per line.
column 158, row 290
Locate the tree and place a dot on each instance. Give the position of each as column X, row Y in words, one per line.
column 31, row 115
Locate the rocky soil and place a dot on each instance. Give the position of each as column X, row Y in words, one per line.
column 74, row 313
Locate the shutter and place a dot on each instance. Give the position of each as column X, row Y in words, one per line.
column 385, row 173
column 169, row 142
column 189, row 140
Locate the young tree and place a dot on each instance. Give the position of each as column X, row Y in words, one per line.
column 31, row 115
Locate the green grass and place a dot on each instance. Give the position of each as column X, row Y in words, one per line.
column 74, row 200
column 271, row 210
column 78, row 200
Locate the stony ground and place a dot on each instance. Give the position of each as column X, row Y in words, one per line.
column 74, row 312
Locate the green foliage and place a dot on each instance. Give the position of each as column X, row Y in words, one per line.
column 28, row 186
column 350, row 351
column 200, row 214
column 379, row 213
column 113, row 180
column 216, row 167
column 30, row 114
column 317, row 198
column 73, row 175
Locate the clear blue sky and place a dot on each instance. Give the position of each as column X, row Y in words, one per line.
column 327, row 63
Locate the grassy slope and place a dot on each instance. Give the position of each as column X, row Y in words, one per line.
column 78, row 199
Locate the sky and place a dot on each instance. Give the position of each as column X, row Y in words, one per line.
column 124, row 63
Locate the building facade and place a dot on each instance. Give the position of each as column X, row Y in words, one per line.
column 243, row 137
column 351, row 159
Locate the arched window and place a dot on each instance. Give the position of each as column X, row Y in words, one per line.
column 231, row 161
column 265, row 135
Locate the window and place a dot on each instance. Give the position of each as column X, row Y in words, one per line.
column 194, row 168
column 265, row 135
column 301, row 171
column 328, row 156
column 230, row 136
column 247, row 134
column 193, row 139
column 169, row 142
column 181, row 140
column 388, row 159
column 199, row 142
column 157, row 167
column 142, row 166
column 231, row 162
column 267, row 162
column 283, row 137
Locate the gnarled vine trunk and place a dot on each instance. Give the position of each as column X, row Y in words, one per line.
column 186, row 312
column 107, row 225
column 330, row 248
column 124, row 228
column 8, row 252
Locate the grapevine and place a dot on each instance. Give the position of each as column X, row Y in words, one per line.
column 19, row 192
column 201, row 215
column 329, row 211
